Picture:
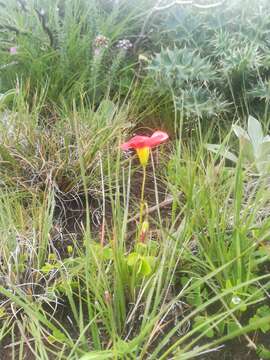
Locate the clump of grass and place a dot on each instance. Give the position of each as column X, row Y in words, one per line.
column 35, row 154
column 200, row 276
column 104, row 305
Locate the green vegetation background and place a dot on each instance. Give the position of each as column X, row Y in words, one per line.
column 76, row 79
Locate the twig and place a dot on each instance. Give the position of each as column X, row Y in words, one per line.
column 164, row 203
column 209, row 6
column 172, row 4
column 189, row 2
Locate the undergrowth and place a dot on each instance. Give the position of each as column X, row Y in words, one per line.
column 78, row 281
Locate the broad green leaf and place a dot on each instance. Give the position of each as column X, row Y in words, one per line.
column 263, row 160
column 132, row 258
column 266, row 138
column 255, row 133
column 247, row 151
column 102, row 252
column 220, row 150
column 240, row 132
column 107, row 253
column 265, row 149
column 145, row 268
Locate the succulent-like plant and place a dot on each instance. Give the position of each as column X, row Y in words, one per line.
column 177, row 66
column 254, row 147
column 201, row 102
column 189, row 77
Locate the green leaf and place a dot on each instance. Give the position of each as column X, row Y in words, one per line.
column 199, row 322
column 145, row 268
column 102, row 252
column 261, row 313
column 220, row 150
column 240, row 132
column 255, row 133
column 266, row 138
column 107, row 253
column 246, row 145
column 262, row 162
column 132, row 258
column 49, row 267
column 195, row 297
column 98, row 355
column 141, row 248
column 247, row 151
column 57, row 335
column 228, row 284
column 231, row 327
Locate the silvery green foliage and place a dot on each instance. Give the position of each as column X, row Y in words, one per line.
column 185, row 74
column 200, row 101
column 178, row 66
column 236, row 54
column 261, row 90
column 234, row 37
column 254, row 147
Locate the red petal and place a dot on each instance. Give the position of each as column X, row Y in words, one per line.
column 158, row 137
column 137, row 142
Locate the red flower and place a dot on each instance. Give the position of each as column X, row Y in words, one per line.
column 143, row 144
column 140, row 141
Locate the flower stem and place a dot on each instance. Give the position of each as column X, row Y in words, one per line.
column 142, row 195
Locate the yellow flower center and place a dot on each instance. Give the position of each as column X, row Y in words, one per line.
column 143, row 154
